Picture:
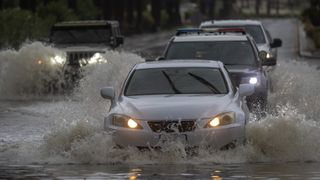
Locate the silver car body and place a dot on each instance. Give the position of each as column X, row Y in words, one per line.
column 200, row 108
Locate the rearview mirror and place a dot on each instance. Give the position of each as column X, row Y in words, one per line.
column 246, row 89
column 276, row 43
column 108, row 93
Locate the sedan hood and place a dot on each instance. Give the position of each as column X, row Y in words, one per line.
column 241, row 69
column 174, row 107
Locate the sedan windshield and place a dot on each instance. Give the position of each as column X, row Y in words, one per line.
column 176, row 81
column 89, row 35
column 228, row 52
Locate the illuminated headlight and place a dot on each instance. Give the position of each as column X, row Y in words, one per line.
column 268, row 55
column 57, row 60
column 253, row 80
column 97, row 58
column 125, row 121
column 221, row 120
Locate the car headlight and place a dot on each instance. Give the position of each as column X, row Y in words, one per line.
column 57, row 60
column 268, row 55
column 125, row 121
column 253, row 80
column 221, row 120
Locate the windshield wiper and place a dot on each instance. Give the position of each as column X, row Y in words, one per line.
column 174, row 88
column 206, row 83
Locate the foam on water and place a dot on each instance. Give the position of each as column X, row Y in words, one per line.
column 290, row 132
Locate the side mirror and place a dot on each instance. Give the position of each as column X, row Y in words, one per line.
column 246, row 89
column 120, row 40
column 108, row 93
column 276, row 43
column 160, row 58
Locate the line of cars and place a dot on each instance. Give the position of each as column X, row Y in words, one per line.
column 199, row 91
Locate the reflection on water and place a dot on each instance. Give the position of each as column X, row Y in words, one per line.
column 132, row 172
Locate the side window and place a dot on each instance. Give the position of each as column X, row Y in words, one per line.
column 233, row 83
column 269, row 36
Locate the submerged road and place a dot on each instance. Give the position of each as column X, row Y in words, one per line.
column 38, row 138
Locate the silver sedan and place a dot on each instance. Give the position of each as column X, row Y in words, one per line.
column 193, row 102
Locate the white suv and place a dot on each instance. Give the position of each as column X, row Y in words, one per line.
column 254, row 28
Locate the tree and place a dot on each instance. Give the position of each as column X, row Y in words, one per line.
column 269, row 7
column 156, row 7
column 257, row 6
column 172, row 9
column 30, row 5
column 227, row 7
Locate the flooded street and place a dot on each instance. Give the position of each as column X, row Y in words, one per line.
column 55, row 136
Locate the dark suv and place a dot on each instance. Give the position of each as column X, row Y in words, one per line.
column 84, row 42
column 234, row 48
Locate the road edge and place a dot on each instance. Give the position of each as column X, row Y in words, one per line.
column 301, row 43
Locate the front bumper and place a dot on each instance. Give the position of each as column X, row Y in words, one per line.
column 214, row 137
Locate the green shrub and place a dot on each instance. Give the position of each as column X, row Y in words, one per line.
column 147, row 21
column 164, row 18
column 87, row 10
column 16, row 26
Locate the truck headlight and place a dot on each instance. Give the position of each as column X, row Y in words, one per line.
column 57, row 60
column 221, row 120
column 97, row 58
column 125, row 121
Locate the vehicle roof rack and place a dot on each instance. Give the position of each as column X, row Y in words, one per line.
column 209, row 31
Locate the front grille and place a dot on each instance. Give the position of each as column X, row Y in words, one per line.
column 172, row 126
column 74, row 57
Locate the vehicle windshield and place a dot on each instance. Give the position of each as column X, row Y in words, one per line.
column 188, row 80
column 228, row 52
column 253, row 30
column 85, row 35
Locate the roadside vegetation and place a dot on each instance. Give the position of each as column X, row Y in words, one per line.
column 29, row 20
column 311, row 18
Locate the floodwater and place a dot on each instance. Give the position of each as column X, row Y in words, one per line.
column 61, row 136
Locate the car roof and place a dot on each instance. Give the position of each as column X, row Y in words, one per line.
column 209, row 37
column 235, row 22
column 179, row 63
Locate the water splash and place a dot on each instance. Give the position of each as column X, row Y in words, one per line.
column 29, row 71
column 289, row 132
